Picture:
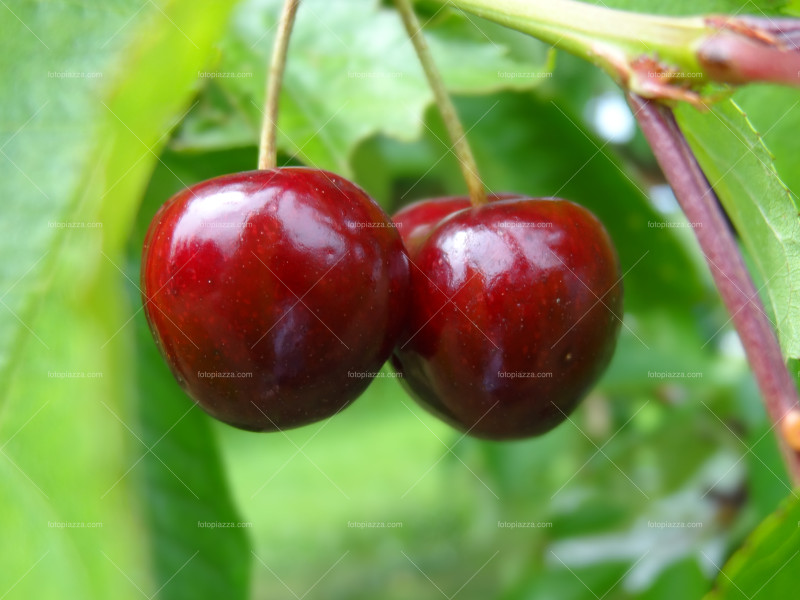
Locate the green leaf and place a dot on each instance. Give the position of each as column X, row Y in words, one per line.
column 768, row 563
column 47, row 98
column 89, row 102
column 773, row 111
column 684, row 579
column 76, row 524
column 741, row 170
column 352, row 73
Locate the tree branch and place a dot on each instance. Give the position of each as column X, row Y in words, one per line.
column 701, row 206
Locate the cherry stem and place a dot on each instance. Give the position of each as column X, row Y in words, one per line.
column 701, row 206
column 267, row 147
column 469, row 168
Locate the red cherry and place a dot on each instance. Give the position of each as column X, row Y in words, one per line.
column 515, row 310
column 274, row 295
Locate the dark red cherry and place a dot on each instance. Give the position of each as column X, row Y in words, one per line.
column 514, row 315
column 274, row 295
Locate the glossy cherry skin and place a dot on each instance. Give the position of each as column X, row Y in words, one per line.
column 417, row 220
column 515, row 311
column 290, row 282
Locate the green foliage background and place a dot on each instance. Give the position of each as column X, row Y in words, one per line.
column 108, row 108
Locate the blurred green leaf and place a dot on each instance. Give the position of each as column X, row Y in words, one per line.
column 75, row 526
column 769, row 561
column 684, row 579
column 352, row 74
column 91, row 103
column 741, row 171
column 49, row 99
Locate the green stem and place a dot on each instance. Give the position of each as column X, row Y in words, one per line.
column 267, row 148
column 653, row 56
column 567, row 23
column 477, row 191
column 597, row 33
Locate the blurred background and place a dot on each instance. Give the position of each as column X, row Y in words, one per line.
column 113, row 485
